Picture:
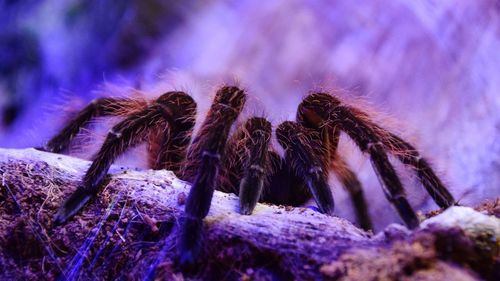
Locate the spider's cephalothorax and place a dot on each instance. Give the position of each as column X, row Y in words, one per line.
column 245, row 163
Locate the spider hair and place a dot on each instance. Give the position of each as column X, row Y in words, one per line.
column 128, row 133
column 322, row 110
column 97, row 108
column 202, row 167
column 245, row 163
column 306, row 154
column 167, row 150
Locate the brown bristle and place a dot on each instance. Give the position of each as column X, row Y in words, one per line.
column 168, row 146
column 254, row 133
column 98, row 108
column 214, row 131
column 229, row 96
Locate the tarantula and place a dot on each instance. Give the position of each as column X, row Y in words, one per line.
column 245, row 163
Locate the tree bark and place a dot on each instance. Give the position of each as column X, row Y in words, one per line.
column 129, row 232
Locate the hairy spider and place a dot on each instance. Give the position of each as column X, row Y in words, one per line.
column 245, row 163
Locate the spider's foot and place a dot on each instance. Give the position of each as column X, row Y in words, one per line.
column 189, row 243
column 246, row 209
column 406, row 212
column 42, row 148
column 50, row 148
column 247, row 204
column 322, row 194
column 187, row 261
column 250, row 189
column 72, row 205
column 327, row 208
column 329, row 212
column 314, row 208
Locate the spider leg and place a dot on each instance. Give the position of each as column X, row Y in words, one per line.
column 97, row 108
column 122, row 136
column 306, row 153
column 168, row 150
column 410, row 156
column 353, row 186
column 203, row 164
column 390, row 182
column 369, row 142
column 344, row 174
column 246, row 162
column 328, row 108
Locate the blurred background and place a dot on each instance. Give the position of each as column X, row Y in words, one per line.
column 428, row 70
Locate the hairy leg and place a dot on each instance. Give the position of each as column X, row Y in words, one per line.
column 329, row 109
column 330, row 137
column 122, row 136
column 202, row 168
column 368, row 142
column 353, row 186
column 246, row 162
column 307, row 157
column 410, row 156
column 97, row 108
column 167, row 150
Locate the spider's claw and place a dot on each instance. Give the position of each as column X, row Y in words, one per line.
column 72, row 205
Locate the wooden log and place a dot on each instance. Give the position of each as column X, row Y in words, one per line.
column 129, row 232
